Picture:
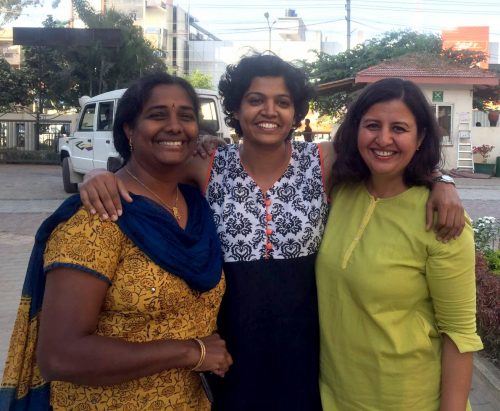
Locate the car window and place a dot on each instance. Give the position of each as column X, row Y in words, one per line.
column 87, row 118
column 105, row 118
column 209, row 123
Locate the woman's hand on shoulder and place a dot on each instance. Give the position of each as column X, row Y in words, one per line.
column 450, row 220
column 100, row 193
column 207, row 144
column 217, row 358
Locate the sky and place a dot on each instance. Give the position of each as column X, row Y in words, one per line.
column 244, row 20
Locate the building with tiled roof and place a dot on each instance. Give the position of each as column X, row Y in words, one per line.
column 449, row 87
column 427, row 69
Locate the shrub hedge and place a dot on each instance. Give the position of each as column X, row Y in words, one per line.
column 25, row 156
column 488, row 308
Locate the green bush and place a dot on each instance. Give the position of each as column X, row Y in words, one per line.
column 492, row 258
column 488, row 309
column 25, row 156
column 486, row 234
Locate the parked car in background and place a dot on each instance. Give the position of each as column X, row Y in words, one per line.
column 91, row 145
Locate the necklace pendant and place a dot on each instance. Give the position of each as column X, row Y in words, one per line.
column 175, row 212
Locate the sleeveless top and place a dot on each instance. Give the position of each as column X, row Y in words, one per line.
column 286, row 222
column 269, row 315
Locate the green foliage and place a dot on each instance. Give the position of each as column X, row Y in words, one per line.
column 484, row 96
column 55, row 77
column 14, row 86
column 25, row 156
column 372, row 52
column 200, row 80
column 47, row 74
column 488, row 320
column 10, row 10
column 486, row 234
column 492, row 258
column 98, row 69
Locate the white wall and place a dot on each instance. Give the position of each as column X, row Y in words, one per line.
column 212, row 57
column 459, row 97
column 486, row 135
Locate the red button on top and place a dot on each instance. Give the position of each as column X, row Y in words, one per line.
column 269, row 231
column 269, row 246
column 267, row 202
column 269, row 217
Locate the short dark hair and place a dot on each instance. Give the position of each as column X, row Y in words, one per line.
column 237, row 78
column 349, row 166
column 132, row 103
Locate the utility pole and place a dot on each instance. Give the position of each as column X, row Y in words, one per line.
column 348, row 18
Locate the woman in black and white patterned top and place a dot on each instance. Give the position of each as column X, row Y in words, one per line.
column 270, row 206
column 269, row 197
column 269, row 312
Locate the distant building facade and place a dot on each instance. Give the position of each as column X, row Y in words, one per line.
column 290, row 39
column 8, row 51
column 167, row 27
column 474, row 38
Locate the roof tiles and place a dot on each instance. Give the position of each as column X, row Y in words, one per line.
column 427, row 69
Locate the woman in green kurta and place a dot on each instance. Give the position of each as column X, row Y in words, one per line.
column 397, row 307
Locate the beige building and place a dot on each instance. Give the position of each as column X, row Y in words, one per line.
column 8, row 51
column 449, row 88
column 165, row 26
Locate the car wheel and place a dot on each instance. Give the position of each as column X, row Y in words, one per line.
column 69, row 187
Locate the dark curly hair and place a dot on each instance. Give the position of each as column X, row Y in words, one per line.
column 237, row 78
column 349, row 166
column 132, row 103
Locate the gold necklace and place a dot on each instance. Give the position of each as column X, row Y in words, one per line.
column 174, row 210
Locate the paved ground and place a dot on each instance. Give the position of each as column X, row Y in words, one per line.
column 481, row 197
column 28, row 193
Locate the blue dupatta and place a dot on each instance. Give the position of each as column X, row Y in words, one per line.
column 193, row 254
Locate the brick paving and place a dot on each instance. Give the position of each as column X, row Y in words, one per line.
column 28, row 193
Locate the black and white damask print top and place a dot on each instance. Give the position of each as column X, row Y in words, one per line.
column 285, row 222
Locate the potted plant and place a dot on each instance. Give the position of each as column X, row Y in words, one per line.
column 493, row 118
column 484, row 151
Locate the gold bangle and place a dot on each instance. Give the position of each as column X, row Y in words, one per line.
column 203, row 353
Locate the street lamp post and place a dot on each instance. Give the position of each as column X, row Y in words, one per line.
column 270, row 27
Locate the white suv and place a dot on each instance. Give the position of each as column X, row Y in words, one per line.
column 91, row 146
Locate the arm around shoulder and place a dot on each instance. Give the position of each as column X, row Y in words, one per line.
column 100, row 194
column 196, row 171
column 445, row 200
column 328, row 158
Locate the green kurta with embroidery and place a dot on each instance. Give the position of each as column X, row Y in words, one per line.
column 387, row 289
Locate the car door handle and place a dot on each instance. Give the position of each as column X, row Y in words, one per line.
column 108, row 141
column 89, row 140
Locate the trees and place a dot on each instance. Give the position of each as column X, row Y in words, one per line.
column 199, row 80
column 14, row 86
column 11, row 9
column 100, row 69
column 55, row 77
column 390, row 45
